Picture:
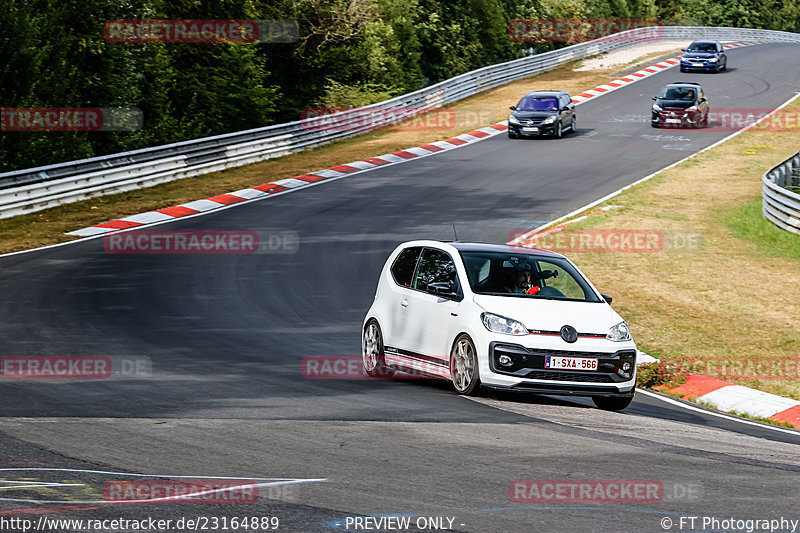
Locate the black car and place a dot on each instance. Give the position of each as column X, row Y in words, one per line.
column 542, row 113
column 704, row 55
column 680, row 104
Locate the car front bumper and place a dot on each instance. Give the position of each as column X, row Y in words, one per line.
column 528, row 373
column 541, row 129
column 706, row 65
column 684, row 119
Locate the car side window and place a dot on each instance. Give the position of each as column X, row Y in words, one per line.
column 435, row 266
column 564, row 284
column 404, row 265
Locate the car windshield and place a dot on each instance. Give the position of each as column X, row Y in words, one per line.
column 703, row 47
column 526, row 275
column 533, row 103
column 678, row 93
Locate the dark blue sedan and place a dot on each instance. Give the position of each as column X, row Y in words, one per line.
column 704, row 56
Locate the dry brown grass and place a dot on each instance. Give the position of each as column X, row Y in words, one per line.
column 730, row 302
column 49, row 226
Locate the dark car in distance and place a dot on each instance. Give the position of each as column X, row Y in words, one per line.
column 542, row 113
column 680, row 105
column 704, row 56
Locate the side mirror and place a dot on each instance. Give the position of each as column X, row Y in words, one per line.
column 655, row 98
column 703, row 99
column 442, row 288
column 607, row 298
column 683, row 49
column 513, row 108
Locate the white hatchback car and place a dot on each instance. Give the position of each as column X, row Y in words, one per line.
column 501, row 316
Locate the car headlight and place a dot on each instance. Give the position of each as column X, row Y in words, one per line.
column 657, row 108
column 549, row 120
column 713, row 60
column 501, row 324
column 692, row 108
column 619, row 333
column 512, row 119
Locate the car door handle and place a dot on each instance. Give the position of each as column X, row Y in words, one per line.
column 404, row 302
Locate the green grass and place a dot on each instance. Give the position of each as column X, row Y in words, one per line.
column 749, row 224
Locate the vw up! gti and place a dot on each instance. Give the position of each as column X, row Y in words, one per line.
column 501, row 316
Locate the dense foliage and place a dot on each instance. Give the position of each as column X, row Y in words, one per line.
column 350, row 52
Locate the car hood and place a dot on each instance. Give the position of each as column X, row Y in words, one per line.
column 680, row 104
column 525, row 115
column 699, row 55
column 551, row 315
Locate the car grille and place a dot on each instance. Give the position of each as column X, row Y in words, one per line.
column 531, row 122
column 559, row 376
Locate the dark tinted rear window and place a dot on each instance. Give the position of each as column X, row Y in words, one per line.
column 403, row 267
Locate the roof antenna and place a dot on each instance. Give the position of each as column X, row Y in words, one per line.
column 455, row 234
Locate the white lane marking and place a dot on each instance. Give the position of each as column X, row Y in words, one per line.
column 676, row 403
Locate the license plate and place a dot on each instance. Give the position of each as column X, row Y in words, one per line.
column 570, row 363
column 531, row 130
column 673, row 121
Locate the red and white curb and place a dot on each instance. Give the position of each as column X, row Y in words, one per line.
column 732, row 398
column 297, row 182
column 641, row 74
column 305, row 180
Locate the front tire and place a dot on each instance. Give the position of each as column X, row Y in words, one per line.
column 464, row 366
column 372, row 352
column 559, row 129
column 513, row 135
column 612, row 403
column 573, row 125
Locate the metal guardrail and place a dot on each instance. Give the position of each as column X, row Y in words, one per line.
column 30, row 190
column 780, row 205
